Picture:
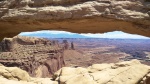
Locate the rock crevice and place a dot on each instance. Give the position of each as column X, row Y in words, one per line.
column 128, row 72
column 123, row 73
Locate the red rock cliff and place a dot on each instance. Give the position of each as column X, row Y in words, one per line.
column 39, row 57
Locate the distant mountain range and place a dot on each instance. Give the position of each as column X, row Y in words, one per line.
column 61, row 35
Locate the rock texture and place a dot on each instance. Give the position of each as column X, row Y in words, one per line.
column 130, row 72
column 39, row 57
column 132, row 16
column 14, row 75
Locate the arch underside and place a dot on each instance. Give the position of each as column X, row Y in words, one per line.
column 88, row 25
column 79, row 16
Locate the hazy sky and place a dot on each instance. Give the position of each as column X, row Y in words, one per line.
column 114, row 34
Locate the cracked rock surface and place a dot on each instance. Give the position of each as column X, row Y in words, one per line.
column 130, row 72
column 127, row 72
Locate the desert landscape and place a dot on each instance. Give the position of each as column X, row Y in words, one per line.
column 33, row 60
column 63, row 60
column 39, row 57
column 90, row 51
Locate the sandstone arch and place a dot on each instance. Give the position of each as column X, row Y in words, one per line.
column 82, row 16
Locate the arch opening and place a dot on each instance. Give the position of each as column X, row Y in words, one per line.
column 133, row 46
column 113, row 44
column 42, row 53
column 41, row 57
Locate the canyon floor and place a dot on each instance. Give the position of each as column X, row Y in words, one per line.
column 93, row 51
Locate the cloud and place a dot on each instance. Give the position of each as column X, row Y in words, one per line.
column 114, row 34
column 46, row 31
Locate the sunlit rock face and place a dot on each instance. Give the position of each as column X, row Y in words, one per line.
column 80, row 16
column 39, row 57
column 128, row 72
column 14, row 75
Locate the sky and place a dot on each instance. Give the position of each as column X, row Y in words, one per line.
column 114, row 34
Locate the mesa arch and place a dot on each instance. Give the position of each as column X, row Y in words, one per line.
column 80, row 16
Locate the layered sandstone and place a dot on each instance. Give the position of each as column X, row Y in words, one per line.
column 132, row 16
column 39, row 57
column 14, row 75
column 129, row 72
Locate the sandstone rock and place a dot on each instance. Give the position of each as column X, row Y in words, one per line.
column 130, row 72
column 66, row 44
column 33, row 81
column 98, row 67
column 43, row 81
column 6, row 45
column 1, row 64
column 14, row 75
column 130, row 16
column 6, row 81
column 72, row 46
column 39, row 57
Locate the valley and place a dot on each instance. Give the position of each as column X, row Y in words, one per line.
column 90, row 51
column 31, row 60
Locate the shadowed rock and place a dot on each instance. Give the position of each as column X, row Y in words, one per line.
column 80, row 16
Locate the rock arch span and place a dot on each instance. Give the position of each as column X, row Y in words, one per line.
column 80, row 16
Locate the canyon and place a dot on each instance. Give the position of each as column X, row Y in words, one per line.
column 39, row 57
column 90, row 51
column 79, row 16
column 32, row 60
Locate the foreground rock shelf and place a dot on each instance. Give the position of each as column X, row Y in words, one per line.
column 14, row 75
column 127, row 72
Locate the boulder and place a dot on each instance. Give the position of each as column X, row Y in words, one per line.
column 129, row 72
column 14, row 75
